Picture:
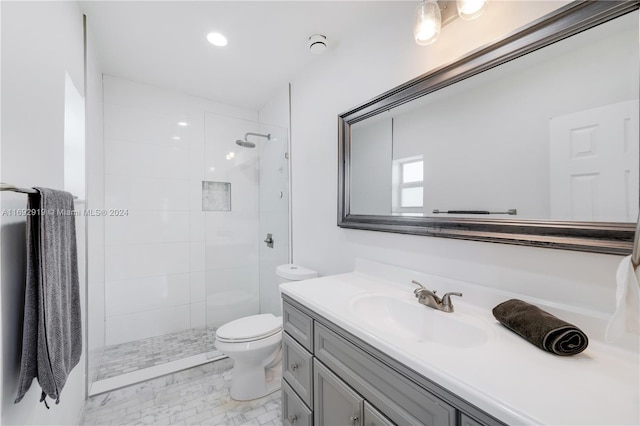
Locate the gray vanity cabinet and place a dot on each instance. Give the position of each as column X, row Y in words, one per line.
column 332, row 378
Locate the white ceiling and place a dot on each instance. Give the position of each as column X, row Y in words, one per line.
column 164, row 42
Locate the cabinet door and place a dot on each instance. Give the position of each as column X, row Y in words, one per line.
column 373, row 417
column 294, row 411
column 468, row 421
column 335, row 403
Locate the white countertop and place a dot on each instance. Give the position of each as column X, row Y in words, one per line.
column 505, row 376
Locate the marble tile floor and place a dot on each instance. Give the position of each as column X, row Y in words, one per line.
column 131, row 356
column 197, row 396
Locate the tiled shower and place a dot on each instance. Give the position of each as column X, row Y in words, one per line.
column 189, row 210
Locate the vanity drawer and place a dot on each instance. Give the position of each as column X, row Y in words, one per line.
column 296, row 368
column 298, row 325
column 294, row 412
column 400, row 399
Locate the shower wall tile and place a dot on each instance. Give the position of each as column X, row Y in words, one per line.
column 149, row 293
column 147, row 160
column 231, row 293
column 230, row 254
column 124, row 261
column 198, row 315
column 138, row 193
column 148, row 227
column 140, row 325
column 195, row 195
column 133, row 125
column 198, row 287
column 197, row 164
column 144, row 97
column 196, row 226
column 197, row 256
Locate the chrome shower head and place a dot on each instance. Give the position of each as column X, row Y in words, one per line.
column 245, row 144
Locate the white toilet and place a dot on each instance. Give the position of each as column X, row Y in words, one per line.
column 253, row 343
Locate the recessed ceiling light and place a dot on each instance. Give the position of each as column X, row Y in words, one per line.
column 176, row 138
column 183, row 123
column 217, row 39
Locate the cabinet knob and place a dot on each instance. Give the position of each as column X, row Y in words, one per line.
column 293, row 419
column 294, row 366
column 354, row 419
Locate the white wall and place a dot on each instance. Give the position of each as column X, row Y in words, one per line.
column 40, row 42
column 359, row 70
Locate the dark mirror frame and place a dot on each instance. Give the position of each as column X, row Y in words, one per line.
column 601, row 237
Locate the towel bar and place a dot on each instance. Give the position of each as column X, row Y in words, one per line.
column 7, row 187
column 510, row 211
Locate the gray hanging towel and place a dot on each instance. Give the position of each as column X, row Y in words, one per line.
column 52, row 334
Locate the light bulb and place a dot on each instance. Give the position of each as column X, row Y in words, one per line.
column 471, row 9
column 428, row 22
column 217, row 39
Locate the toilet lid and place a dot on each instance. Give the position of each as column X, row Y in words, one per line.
column 250, row 328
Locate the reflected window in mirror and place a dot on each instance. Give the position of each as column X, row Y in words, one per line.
column 408, row 186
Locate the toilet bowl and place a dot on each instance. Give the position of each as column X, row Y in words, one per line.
column 253, row 343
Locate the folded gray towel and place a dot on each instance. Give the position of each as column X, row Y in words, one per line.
column 544, row 330
column 52, row 335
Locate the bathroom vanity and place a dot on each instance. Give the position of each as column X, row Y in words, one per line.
column 358, row 349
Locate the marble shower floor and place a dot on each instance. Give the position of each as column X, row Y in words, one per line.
column 145, row 353
column 197, row 396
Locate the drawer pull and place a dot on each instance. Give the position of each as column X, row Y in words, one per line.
column 293, row 419
column 294, row 366
column 354, row 419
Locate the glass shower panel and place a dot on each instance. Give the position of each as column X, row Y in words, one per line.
column 231, row 245
column 274, row 214
column 245, row 196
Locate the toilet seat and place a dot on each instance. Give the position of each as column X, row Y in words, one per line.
column 251, row 328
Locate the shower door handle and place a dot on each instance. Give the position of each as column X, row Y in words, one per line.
column 269, row 240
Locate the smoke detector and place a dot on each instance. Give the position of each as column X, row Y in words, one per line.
column 317, row 44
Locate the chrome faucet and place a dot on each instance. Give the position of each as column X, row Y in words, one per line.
column 428, row 298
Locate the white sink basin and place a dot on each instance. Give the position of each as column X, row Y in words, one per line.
column 410, row 320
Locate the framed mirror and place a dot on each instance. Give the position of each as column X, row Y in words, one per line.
column 532, row 140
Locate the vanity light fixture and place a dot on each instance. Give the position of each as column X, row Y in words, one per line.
column 470, row 9
column 432, row 15
column 428, row 22
column 217, row 39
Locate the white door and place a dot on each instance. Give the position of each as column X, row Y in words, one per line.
column 594, row 162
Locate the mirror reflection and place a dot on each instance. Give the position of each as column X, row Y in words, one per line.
column 552, row 135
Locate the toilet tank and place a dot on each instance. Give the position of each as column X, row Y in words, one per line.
column 292, row 272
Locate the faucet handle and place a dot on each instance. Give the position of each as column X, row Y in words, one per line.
column 421, row 287
column 446, row 299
